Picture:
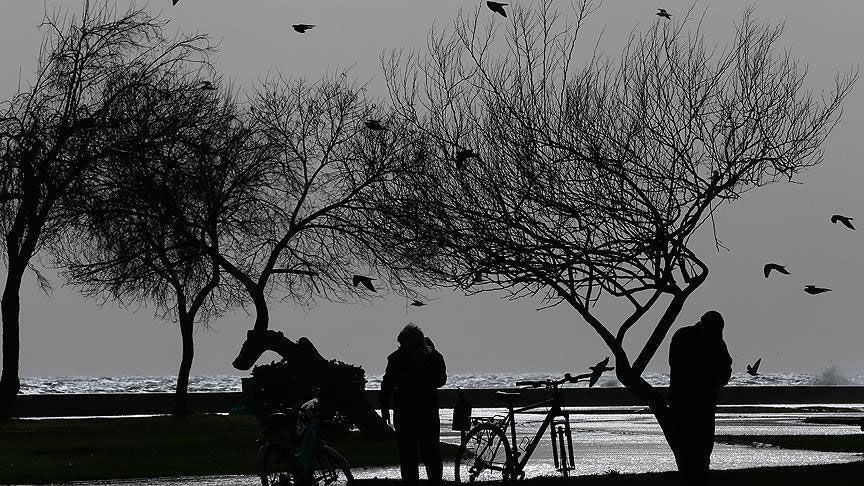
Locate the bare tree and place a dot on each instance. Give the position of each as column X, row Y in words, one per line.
column 302, row 233
column 133, row 213
column 50, row 133
column 583, row 183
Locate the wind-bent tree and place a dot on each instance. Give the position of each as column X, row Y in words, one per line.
column 50, row 134
column 582, row 183
column 129, row 243
column 301, row 234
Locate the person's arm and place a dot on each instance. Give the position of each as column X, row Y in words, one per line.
column 724, row 365
column 386, row 390
column 441, row 377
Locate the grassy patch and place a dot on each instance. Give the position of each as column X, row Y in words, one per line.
column 44, row 451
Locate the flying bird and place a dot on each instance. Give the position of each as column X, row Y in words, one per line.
column 847, row 221
column 598, row 370
column 464, row 154
column 497, row 7
column 418, row 303
column 366, row 281
column 753, row 370
column 376, row 125
column 302, row 28
column 207, row 86
column 661, row 12
column 813, row 290
column 774, row 266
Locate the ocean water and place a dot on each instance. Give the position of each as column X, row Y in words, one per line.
column 222, row 383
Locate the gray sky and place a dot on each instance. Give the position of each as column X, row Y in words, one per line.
column 63, row 334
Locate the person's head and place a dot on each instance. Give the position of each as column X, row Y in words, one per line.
column 712, row 322
column 411, row 337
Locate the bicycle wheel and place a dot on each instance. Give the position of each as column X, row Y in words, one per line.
column 274, row 466
column 483, row 456
column 330, row 468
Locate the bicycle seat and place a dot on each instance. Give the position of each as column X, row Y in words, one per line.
column 507, row 396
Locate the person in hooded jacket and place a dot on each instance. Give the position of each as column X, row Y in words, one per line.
column 414, row 373
column 699, row 365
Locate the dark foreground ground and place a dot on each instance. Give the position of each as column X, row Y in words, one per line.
column 830, row 475
column 55, row 450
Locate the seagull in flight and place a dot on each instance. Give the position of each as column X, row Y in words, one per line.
column 847, row 221
column 376, row 125
column 497, row 7
column 774, row 266
column 753, row 370
column 661, row 12
column 814, row 290
column 598, row 370
column 366, row 281
column 302, row 28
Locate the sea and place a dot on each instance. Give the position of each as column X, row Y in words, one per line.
column 228, row 383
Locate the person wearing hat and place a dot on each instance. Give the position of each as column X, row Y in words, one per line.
column 414, row 373
column 699, row 365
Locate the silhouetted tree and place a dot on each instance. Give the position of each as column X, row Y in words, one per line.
column 51, row 134
column 301, row 233
column 583, row 183
column 134, row 212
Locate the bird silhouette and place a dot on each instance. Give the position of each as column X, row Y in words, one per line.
column 418, row 303
column 497, row 7
column 813, row 290
column 774, row 266
column 464, row 154
column 847, row 221
column 753, row 370
column 376, row 125
column 598, row 370
column 366, row 281
column 661, row 12
column 207, row 86
column 302, row 28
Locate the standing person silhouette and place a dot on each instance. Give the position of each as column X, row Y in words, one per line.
column 414, row 373
column 699, row 365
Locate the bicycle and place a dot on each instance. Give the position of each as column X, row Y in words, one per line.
column 292, row 453
column 488, row 454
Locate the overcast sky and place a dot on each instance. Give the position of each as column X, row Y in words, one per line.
column 64, row 334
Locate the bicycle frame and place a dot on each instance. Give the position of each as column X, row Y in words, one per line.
column 554, row 412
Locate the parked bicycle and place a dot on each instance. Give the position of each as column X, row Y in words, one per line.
column 489, row 453
column 292, row 453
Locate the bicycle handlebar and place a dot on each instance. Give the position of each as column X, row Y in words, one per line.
column 568, row 378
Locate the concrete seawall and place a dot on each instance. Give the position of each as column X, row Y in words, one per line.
column 113, row 404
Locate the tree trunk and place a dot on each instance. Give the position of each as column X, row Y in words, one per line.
column 262, row 313
column 10, row 307
column 652, row 398
column 181, row 393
